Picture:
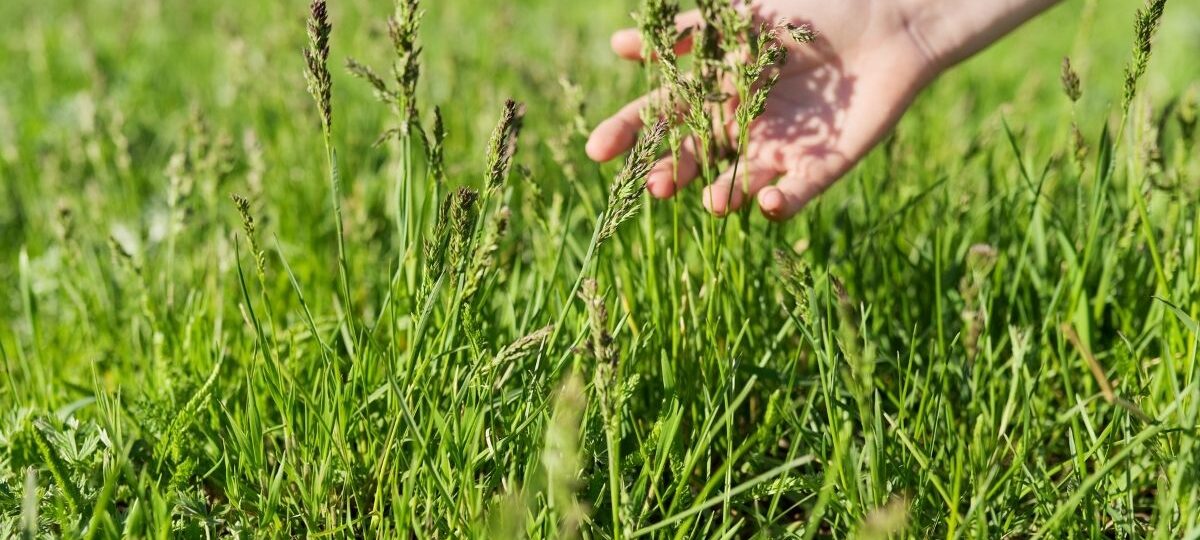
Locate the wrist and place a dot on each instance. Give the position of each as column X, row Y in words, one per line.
column 947, row 32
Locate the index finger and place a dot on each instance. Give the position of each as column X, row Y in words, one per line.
column 627, row 43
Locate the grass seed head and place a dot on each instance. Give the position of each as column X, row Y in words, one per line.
column 316, row 55
column 656, row 22
column 754, row 107
column 403, row 29
column 710, row 62
column 523, row 347
column 846, row 310
column 600, row 344
column 503, row 144
column 1070, row 80
column 731, row 24
column 1079, row 146
column 485, row 256
column 759, row 78
column 124, row 256
column 446, row 246
column 179, row 179
column 437, row 148
column 243, row 208
column 698, row 116
column 981, row 259
column 561, row 456
column 463, row 213
column 372, row 78
column 574, row 105
column 1146, row 24
column 626, row 190
column 802, row 34
column 797, row 281
column 438, row 240
column 248, row 226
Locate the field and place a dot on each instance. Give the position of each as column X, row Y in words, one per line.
column 231, row 309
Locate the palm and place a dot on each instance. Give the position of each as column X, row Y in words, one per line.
column 835, row 98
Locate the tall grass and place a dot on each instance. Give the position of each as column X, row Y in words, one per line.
column 989, row 329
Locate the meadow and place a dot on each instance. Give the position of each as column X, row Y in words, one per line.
column 253, row 288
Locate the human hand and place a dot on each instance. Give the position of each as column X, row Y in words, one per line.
column 835, row 99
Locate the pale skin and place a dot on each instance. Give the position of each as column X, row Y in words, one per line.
column 835, row 100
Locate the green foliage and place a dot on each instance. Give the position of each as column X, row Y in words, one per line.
column 988, row 329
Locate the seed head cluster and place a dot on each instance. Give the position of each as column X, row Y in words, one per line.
column 797, row 281
column 1070, row 81
column 463, row 213
column 368, row 74
column 656, row 22
column 485, row 257
column 733, row 62
column 248, row 226
column 600, row 344
column 437, row 148
column 503, row 144
column 981, row 259
column 316, row 56
column 1146, row 24
column 523, row 346
column 758, row 78
column 403, row 28
column 626, row 189
column 802, row 34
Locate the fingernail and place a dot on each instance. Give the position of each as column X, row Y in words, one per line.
column 593, row 148
column 621, row 38
column 770, row 199
column 715, row 207
column 660, row 189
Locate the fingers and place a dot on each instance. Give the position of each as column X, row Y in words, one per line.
column 792, row 192
column 627, row 43
column 672, row 174
column 617, row 133
column 782, row 201
column 726, row 194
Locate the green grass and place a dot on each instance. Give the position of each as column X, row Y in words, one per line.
column 982, row 337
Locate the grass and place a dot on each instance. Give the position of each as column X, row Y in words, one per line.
column 988, row 329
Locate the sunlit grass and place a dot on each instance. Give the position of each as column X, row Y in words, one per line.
column 988, row 329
